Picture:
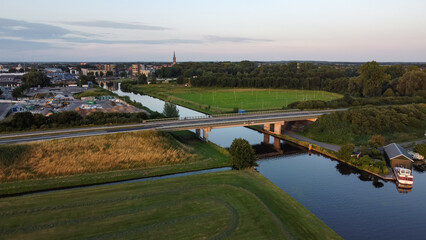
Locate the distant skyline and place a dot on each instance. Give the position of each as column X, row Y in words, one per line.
column 272, row 30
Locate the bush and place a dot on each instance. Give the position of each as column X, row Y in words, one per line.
column 376, row 141
column 346, row 151
column 420, row 149
column 243, row 155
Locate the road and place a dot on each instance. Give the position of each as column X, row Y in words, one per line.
column 169, row 125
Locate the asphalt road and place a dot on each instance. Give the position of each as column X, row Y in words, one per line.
column 249, row 119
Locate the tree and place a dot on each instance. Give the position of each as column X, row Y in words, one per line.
column 109, row 74
column 1, row 92
column 395, row 71
column 123, row 74
column 23, row 120
column 142, row 79
column 18, row 92
column 412, row 83
column 170, row 110
column 372, row 76
column 180, row 80
column 101, row 74
column 377, row 141
column 346, row 151
column 243, row 155
column 388, row 93
column 153, row 80
column 35, row 78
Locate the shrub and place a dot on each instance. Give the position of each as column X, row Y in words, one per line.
column 420, row 149
column 243, row 155
column 345, row 152
column 376, row 141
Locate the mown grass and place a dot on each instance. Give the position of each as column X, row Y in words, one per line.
column 106, row 158
column 231, row 205
column 220, row 100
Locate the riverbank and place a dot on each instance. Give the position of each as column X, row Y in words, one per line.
column 326, row 152
column 230, row 204
column 108, row 158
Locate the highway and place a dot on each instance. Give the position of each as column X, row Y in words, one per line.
column 166, row 125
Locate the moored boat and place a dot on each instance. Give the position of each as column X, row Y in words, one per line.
column 404, row 177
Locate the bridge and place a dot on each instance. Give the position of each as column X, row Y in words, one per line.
column 272, row 122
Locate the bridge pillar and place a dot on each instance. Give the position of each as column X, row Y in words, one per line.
column 198, row 132
column 277, row 144
column 206, row 133
column 277, row 127
column 267, row 127
column 266, row 138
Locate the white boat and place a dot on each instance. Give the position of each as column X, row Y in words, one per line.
column 403, row 176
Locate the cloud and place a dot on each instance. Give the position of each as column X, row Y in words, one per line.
column 22, row 45
column 111, row 24
column 214, row 38
column 30, row 31
column 151, row 41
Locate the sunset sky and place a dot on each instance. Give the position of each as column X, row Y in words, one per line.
column 331, row 30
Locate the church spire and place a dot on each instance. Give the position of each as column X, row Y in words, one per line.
column 174, row 58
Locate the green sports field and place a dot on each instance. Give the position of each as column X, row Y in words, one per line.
column 226, row 99
column 231, row 205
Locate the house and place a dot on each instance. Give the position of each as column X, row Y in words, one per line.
column 397, row 156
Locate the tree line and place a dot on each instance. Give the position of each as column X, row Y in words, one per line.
column 27, row 120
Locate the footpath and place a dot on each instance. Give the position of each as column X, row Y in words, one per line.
column 305, row 139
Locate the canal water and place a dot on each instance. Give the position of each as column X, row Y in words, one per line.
column 354, row 204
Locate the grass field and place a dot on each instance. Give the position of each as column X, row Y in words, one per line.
column 106, row 158
column 231, row 205
column 221, row 100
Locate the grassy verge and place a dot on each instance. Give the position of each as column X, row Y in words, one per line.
column 98, row 159
column 223, row 100
column 231, row 204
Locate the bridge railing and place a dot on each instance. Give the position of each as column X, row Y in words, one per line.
column 221, row 115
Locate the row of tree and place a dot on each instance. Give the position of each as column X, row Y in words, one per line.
column 27, row 120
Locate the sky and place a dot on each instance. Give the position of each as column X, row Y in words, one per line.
column 201, row 30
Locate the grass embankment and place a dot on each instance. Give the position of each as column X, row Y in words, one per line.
column 231, row 205
column 107, row 158
column 223, row 100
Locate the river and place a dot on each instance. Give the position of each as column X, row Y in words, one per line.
column 354, row 204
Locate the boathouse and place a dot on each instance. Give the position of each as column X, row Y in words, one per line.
column 397, row 156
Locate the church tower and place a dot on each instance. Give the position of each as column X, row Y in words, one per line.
column 174, row 58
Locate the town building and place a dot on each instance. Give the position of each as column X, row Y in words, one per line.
column 10, row 80
column 397, row 156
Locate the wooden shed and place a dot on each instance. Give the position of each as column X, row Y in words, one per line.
column 398, row 156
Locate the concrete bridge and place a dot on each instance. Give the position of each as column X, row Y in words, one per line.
column 272, row 122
